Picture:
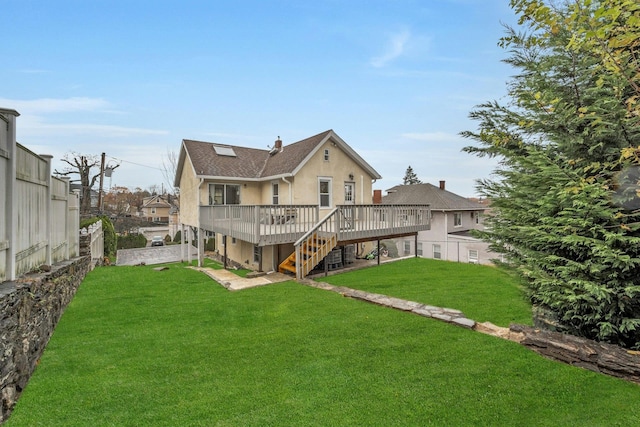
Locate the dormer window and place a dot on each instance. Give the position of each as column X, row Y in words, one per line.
column 326, row 154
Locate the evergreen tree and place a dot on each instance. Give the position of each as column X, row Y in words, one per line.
column 410, row 177
column 566, row 198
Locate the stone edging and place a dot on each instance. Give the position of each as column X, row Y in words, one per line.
column 448, row 315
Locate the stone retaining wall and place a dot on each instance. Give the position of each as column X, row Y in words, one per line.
column 30, row 308
column 595, row 356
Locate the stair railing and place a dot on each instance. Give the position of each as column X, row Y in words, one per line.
column 324, row 231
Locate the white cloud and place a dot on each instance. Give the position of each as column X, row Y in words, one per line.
column 395, row 48
column 32, row 71
column 101, row 131
column 53, row 105
column 36, row 119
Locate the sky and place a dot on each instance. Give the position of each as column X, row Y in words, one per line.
column 395, row 79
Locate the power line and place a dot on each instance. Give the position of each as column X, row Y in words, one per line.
column 134, row 163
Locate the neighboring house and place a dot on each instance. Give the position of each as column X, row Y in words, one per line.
column 452, row 219
column 288, row 207
column 94, row 194
column 156, row 209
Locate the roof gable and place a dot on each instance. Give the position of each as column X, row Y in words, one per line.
column 437, row 198
column 257, row 164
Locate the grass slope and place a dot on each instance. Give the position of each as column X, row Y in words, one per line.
column 140, row 347
column 482, row 293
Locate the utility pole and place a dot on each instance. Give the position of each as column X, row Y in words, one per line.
column 101, row 182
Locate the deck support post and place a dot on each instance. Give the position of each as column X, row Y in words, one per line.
column 200, row 247
column 378, row 251
column 326, row 267
column 416, row 244
column 225, row 251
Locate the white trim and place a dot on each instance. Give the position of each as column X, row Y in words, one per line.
column 330, row 180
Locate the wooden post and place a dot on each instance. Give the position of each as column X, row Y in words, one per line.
column 101, row 183
column 189, row 244
column 224, row 239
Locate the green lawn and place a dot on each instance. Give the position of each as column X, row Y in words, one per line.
column 482, row 293
column 141, row 347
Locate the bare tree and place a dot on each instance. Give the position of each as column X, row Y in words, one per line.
column 169, row 170
column 83, row 166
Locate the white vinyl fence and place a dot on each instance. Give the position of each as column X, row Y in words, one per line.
column 39, row 219
column 95, row 242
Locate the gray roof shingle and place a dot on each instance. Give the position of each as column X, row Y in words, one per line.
column 437, row 198
column 249, row 163
column 257, row 164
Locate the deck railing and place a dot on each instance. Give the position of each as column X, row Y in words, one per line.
column 260, row 224
column 358, row 222
column 277, row 224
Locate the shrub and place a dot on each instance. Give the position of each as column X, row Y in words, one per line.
column 110, row 236
column 131, row 241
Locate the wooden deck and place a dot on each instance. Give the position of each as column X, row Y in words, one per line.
column 265, row 225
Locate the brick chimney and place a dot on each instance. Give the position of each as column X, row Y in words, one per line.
column 278, row 144
column 377, row 197
column 442, row 185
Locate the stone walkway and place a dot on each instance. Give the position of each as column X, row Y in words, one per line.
column 233, row 282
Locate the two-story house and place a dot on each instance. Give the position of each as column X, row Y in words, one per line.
column 288, row 207
column 452, row 219
column 156, row 208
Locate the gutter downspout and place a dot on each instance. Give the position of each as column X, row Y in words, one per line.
column 200, row 236
column 446, row 235
column 290, row 190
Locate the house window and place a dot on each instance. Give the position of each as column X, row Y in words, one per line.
column 407, row 247
column 224, row 194
column 257, row 253
column 153, row 210
column 419, row 249
column 233, row 240
column 436, row 252
column 324, row 192
column 477, row 217
column 326, row 154
column 275, row 193
column 457, row 219
column 473, row 256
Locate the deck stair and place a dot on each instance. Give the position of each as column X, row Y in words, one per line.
column 312, row 251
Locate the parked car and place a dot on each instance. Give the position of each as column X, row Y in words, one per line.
column 157, row 241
